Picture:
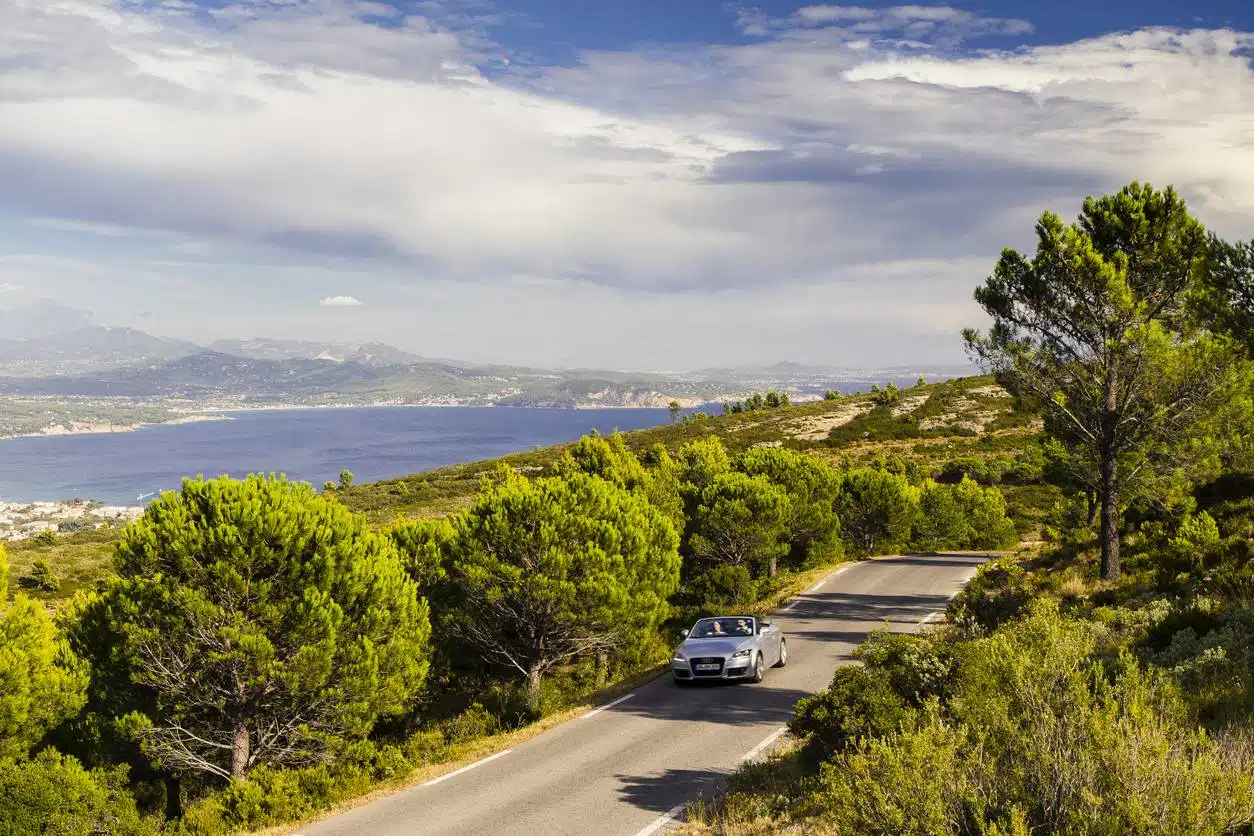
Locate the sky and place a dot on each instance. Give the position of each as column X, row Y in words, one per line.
column 631, row 184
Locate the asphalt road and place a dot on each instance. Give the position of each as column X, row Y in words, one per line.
column 629, row 768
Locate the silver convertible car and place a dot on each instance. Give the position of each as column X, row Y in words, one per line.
column 735, row 647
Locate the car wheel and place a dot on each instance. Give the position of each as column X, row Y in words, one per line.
column 757, row 669
column 783, row 654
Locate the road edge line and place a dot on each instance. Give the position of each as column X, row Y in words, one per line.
column 596, row 711
column 466, row 768
column 757, row 750
column 662, row 820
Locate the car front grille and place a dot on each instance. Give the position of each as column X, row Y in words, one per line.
column 707, row 660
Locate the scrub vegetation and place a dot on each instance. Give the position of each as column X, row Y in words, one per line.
column 250, row 653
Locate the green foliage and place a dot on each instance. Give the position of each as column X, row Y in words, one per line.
column 858, row 704
column 1023, row 731
column 41, row 680
column 346, row 480
column 265, row 624
column 741, row 520
column 1226, row 300
column 812, row 527
column 890, row 395
column 755, row 403
column 45, row 538
column 551, row 569
column 54, row 794
column 1093, row 331
column 832, row 395
column 876, row 510
column 43, row 577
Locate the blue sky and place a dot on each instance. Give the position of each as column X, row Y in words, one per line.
column 649, row 185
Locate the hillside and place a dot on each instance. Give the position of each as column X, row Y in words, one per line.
column 968, row 425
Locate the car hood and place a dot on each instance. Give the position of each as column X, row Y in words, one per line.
column 714, row 647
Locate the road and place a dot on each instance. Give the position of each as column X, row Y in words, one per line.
column 629, row 768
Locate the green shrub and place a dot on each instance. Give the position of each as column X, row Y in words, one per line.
column 473, row 723
column 43, row 576
column 858, row 704
column 52, row 793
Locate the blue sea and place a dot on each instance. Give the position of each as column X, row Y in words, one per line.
column 312, row 445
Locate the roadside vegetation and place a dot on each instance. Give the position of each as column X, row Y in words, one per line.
column 1101, row 681
column 251, row 653
column 258, row 651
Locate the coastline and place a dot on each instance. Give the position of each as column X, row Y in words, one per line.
column 104, row 428
column 223, row 413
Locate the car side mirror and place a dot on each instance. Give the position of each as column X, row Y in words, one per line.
column 762, row 625
column 683, row 634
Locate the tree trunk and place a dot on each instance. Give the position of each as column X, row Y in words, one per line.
column 1091, row 513
column 1110, row 519
column 240, row 750
column 771, row 567
column 173, row 797
column 533, row 688
column 603, row 668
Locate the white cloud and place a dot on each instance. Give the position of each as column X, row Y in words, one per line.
column 10, row 287
column 340, row 302
column 844, row 147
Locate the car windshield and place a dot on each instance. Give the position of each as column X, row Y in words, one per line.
column 713, row 628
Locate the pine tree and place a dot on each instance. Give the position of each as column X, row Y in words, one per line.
column 254, row 622
column 41, row 681
column 741, row 520
column 551, row 570
column 1094, row 331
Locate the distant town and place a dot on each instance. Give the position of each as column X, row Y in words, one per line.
column 23, row 520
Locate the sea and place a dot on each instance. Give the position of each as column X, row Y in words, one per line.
column 312, row 445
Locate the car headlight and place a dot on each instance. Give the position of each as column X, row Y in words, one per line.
column 678, row 657
column 741, row 654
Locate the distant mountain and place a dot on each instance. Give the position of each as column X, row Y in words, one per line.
column 264, row 348
column 87, row 350
column 214, row 378
column 40, row 318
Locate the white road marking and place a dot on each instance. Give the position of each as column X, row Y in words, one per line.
column 662, row 820
column 757, row 750
column 841, row 570
column 932, row 617
column 816, row 587
column 456, row 772
column 607, row 705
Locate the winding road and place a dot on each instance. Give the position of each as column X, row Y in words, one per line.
column 628, row 768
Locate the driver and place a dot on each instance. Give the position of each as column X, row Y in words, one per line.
column 742, row 627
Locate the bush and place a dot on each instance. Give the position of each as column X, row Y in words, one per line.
column 858, row 704
column 53, row 793
column 1038, row 735
column 43, row 577
column 473, row 723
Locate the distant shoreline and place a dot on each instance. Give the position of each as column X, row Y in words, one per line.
column 222, row 413
column 104, row 428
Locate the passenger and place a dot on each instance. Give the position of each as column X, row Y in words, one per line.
column 718, row 629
